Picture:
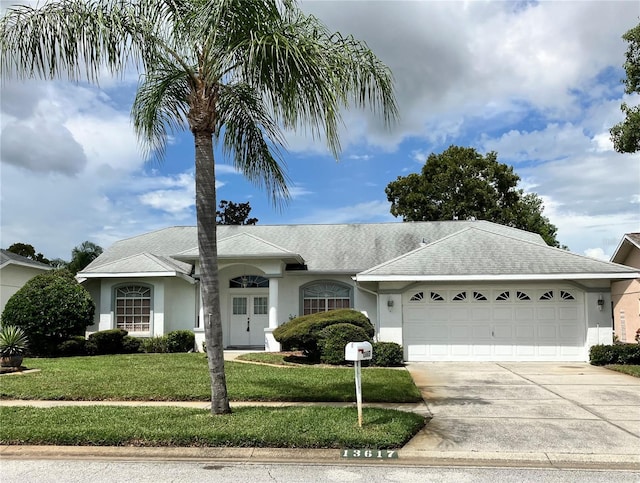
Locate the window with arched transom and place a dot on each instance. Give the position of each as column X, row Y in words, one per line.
column 132, row 309
column 325, row 295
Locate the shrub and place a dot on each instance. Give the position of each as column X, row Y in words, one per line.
column 180, row 341
column 387, row 354
column 106, row 342
column 302, row 332
column 600, row 355
column 76, row 346
column 51, row 308
column 629, row 354
column 156, row 344
column 334, row 338
column 131, row 345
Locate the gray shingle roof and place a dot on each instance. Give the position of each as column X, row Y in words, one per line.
column 448, row 248
column 475, row 251
column 324, row 248
column 245, row 245
column 144, row 263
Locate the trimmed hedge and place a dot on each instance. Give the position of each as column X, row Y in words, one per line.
column 181, row 341
column 106, row 342
column 76, row 346
column 334, row 338
column 157, row 344
column 387, row 354
column 302, row 333
column 174, row 341
column 131, row 345
column 601, row 355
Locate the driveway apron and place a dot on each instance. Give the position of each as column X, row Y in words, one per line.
column 544, row 408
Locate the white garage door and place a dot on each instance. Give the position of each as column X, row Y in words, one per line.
column 494, row 324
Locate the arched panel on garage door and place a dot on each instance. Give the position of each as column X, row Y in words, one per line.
column 494, row 323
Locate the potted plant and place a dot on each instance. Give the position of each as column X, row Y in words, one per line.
column 13, row 346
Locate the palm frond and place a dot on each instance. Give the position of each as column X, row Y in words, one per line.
column 310, row 74
column 251, row 138
column 77, row 39
column 160, row 107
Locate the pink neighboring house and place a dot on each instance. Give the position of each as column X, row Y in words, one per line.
column 625, row 294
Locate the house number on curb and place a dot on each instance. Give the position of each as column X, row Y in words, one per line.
column 369, row 453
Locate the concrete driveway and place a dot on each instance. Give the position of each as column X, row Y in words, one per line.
column 543, row 409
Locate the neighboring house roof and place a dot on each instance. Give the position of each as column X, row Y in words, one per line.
column 629, row 242
column 10, row 258
column 475, row 253
column 449, row 248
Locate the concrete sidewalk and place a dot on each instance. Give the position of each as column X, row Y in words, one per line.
column 542, row 415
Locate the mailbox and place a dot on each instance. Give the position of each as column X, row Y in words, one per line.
column 358, row 351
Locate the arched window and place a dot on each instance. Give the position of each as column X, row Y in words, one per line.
column 133, row 308
column 324, row 296
column 249, row 281
column 564, row 295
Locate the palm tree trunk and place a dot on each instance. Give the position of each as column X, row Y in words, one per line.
column 209, row 284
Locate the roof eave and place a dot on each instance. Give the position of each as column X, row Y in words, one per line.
column 481, row 277
column 622, row 250
column 24, row 264
column 85, row 275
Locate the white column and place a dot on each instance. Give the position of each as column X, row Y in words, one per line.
column 270, row 343
column 158, row 309
column 273, row 303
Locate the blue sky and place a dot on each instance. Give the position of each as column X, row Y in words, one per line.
column 537, row 82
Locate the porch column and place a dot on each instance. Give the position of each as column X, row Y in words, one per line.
column 273, row 303
column 270, row 343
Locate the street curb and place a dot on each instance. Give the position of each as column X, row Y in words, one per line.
column 322, row 457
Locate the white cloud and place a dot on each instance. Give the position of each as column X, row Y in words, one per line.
column 360, row 157
column 178, row 200
column 597, row 253
column 299, row 191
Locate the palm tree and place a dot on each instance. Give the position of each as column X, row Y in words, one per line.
column 234, row 72
column 83, row 255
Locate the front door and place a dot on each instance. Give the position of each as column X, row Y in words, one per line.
column 249, row 318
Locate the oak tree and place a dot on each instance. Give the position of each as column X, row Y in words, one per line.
column 461, row 184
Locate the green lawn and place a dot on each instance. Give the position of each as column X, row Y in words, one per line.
column 184, row 377
column 627, row 369
column 292, row 427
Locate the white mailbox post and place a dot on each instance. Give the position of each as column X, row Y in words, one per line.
column 358, row 352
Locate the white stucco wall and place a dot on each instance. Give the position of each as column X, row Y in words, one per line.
column 173, row 304
column 180, row 305
column 93, row 287
column 390, row 329
column 599, row 322
column 368, row 303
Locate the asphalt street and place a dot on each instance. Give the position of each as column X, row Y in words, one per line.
column 57, row 471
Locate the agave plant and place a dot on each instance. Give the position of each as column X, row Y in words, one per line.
column 13, row 341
